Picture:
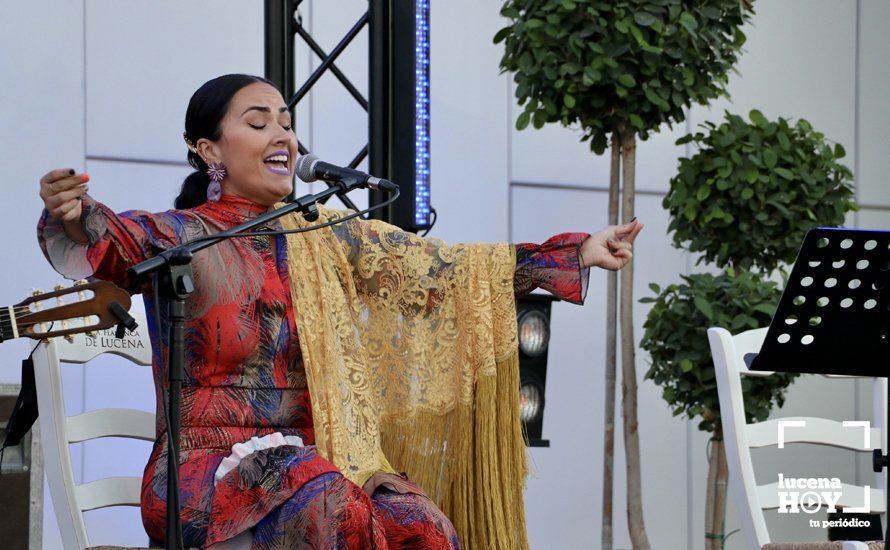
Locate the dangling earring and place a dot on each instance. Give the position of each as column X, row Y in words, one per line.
column 217, row 172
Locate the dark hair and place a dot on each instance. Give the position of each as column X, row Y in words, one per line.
column 206, row 110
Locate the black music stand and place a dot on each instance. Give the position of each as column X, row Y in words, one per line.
column 834, row 315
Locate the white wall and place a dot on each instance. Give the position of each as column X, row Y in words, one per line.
column 102, row 85
column 41, row 116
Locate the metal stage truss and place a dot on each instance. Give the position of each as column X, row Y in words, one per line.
column 398, row 103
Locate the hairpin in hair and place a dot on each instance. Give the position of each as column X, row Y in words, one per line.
column 189, row 143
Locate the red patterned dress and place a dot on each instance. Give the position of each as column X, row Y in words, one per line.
column 249, row 470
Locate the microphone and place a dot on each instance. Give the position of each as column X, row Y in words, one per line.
column 310, row 168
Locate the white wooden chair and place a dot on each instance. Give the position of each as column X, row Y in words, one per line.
column 57, row 431
column 728, row 352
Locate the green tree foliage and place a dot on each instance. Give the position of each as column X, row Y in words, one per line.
column 604, row 64
column 744, row 201
column 677, row 342
column 752, row 191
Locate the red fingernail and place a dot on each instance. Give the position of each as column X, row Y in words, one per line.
column 85, row 177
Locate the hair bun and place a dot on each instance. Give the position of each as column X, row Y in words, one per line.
column 194, row 191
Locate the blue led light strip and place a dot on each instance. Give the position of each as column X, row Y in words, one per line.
column 422, row 112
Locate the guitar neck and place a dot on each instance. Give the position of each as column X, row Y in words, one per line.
column 90, row 307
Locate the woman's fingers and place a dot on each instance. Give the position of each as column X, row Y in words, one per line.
column 73, row 214
column 51, row 185
column 617, row 260
column 618, row 240
column 619, row 245
column 629, row 231
column 70, row 182
column 65, row 208
column 62, row 197
column 67, row 211
column 57, row 174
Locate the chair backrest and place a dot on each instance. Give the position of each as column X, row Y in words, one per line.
column 57, row 431
column 728, row 352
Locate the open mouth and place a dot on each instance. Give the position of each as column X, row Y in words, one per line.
column 277, row 162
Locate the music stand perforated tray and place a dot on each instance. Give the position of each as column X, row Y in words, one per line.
column 834, row 315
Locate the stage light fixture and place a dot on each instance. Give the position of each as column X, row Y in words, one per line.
column 531, row 398
column 534, row 333
column 533, row 323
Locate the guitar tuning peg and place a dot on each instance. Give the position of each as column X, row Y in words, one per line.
column 59, row 302
column 89, row 334
column 38, row 306
column 81, row 294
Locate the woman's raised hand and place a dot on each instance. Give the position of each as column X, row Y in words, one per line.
column 611, row 248
column 61, row 191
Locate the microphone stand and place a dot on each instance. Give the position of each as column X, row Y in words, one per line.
column 176, row 282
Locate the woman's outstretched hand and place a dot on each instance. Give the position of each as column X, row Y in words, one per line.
column 61, row 190
column 610, row 248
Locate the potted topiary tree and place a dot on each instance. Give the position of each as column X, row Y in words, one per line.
column 744, row 202
column 617, row 69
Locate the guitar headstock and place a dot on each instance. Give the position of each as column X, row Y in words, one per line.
column 47, row 315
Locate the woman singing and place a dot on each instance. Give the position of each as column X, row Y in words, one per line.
column 320, row 367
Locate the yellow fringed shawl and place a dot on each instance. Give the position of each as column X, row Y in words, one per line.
column 410, row 351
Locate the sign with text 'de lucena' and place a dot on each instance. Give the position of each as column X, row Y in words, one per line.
column 81, row 348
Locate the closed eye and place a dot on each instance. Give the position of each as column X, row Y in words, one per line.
column 288, row 127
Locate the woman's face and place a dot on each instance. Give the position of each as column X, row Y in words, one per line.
column 258, row 145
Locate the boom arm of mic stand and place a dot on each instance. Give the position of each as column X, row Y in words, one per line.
column 343, row 198
column 304, row 204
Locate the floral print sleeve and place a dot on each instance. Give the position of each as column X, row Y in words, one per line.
column 554, row 266
column 115, row 241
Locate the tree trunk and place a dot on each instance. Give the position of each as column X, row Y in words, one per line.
column 611, row 355
column 715, row 503
column 635, row 523
column 720, row 494
column 709, row 497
